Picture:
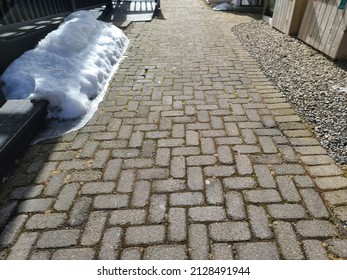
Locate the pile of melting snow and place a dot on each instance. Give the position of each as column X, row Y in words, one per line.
column 70, row 68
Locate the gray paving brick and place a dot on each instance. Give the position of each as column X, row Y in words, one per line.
column 74, row 254
column 232, row 129
column 138, row 163
column 55, row 184
column 201, row 160
column 84, row 176
column 111, row 201
column 94, row 228
column 198, row 242
column 264, row 176
column 287, row 240
column 12, row 230
column 235, row 206
column 157, row 209
column 140, row 197
column 186, row 151
column 286, row 211
column 35, row 205
column 338, row 247
column 58, row 238
column 225, row 155
column 315, row 228
column 153, row 173
column 240, row 183
column 214, row 191
column 178, row 131
column 98, row 187
column 206, row 214
column 230, row 231
column 46, row 221
column 208, row 146
column 163, row 157
column 259, row 222
column 317, row 160
column 125, row 153
column 257, row 251
column 288, row 169
column 110, row 243
column 143, row 235
column 165, row 252
column 177, row 142
column 267, row 145
column 304, row 182
column 262, row 196
column 244, row 165
column 314, row 250
column 248, row 136
column 178, row 167
column 324, row 170
column 186, row 199
column 131, row 254
column 177, row 229
column 219, row 171
column 79, row 211
column 169, row 185
column 126, row 181
column 21, row 249
column 128, row 217
column 192, row 138
column 66, row 197
column 40, row 255
column 222, row 251
column 288, row 189
column 314, row 203
column 331, row 183
column 246, row 149
column 195, row 178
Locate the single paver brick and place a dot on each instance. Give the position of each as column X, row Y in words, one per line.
column 126, row 181
column 165, row 252
column 157, row 208
column 127, row 217
column 208, row 146
column 286, row 211
column 169, row 185
column 112, row 170
column 163, row 157
column 264, row 176
column 12, row 230
column 140, row 197
column 219, row 171
column 230, row 231
column 287, row 241
column 288, row 169
column 110, row 243
column 198, row 242
column 178, row 167
column 235, row 206
column 336, row 197
column 225, row 155
column 201, row 160
column 143, row 235
column 314, row 250
column 46, row 221
column 331, row 183
column 66, row 197
column 240, row 183
column 207, row 214
column 98, row 187
column 214, row 191
column 26, row 192
column 94, row 228
column 111, row 201
column 79, row 211
column 244, row 165
column 317, row 160
column 288, row 189
column 338, row 247
column 35, row 205
column 257, row 251
column 153, row 173
column 187, row 199
column 131, row 254
column 74, row 254
column 324, row 170
column 222, row 251
column 262, row 196
column 177, row 230
column 316, row 228
column 259, row 222
column 58, row 238
column 195, row 178
column 314, row 203
column 341, row 213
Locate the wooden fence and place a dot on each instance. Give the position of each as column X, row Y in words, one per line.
column 19, row 11
column 324, row 27
column 288, row 15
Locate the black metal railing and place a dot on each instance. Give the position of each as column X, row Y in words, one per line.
column 18, row 11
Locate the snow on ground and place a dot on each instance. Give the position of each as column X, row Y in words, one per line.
column 70, row 68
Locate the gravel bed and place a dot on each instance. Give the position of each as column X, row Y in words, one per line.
column 315, row 85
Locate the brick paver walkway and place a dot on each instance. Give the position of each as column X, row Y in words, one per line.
column 192, row 155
